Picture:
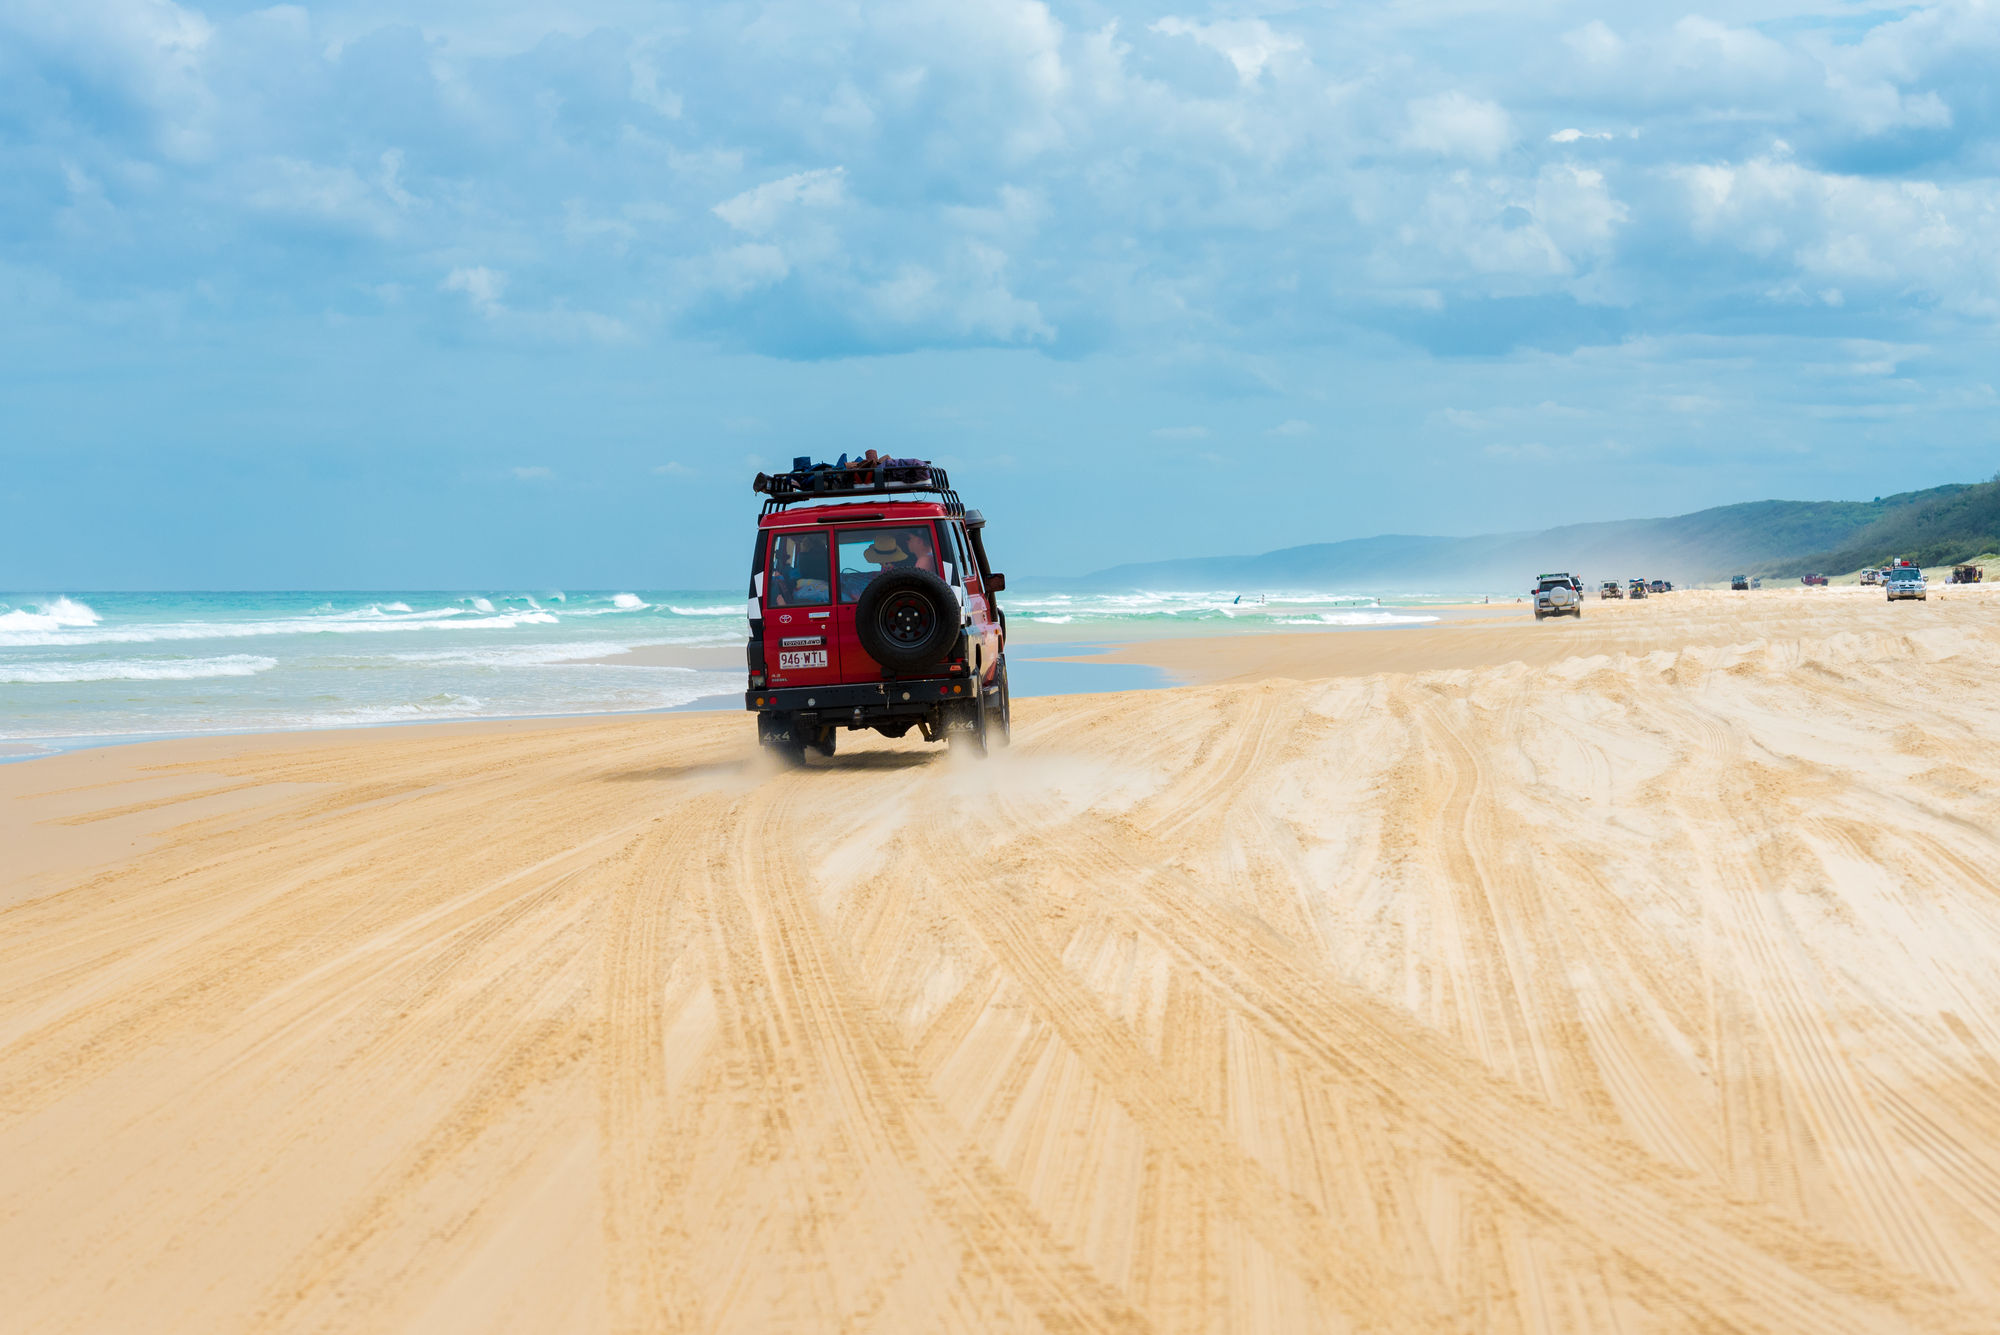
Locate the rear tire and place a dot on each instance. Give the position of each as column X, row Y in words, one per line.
column 1003, row 713
column 824, row 743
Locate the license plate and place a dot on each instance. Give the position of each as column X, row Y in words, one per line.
column 801, row 658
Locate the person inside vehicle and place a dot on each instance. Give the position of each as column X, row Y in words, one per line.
column 923, row 555
column 798, row 571
column 888, row 551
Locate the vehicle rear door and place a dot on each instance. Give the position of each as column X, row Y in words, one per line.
column 861, row 552
column 800, row 645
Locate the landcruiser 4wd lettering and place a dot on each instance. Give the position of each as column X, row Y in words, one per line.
column 872, row 605
column 1557, row 594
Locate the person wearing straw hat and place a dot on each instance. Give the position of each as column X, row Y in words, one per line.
column 888, row 552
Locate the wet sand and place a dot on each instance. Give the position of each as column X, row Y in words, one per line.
column 1637, row 974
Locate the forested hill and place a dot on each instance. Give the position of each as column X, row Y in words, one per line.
column 1933, row 528
column 1941, row 525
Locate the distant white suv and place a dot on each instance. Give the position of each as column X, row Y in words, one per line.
column 1907, row 582
column 1557, row 594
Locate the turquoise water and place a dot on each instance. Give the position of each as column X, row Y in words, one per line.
column 83, row 667
column 90, row 667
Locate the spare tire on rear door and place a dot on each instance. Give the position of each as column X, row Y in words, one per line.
column 907, row 619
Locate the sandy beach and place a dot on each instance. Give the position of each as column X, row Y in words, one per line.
column 1640, row 973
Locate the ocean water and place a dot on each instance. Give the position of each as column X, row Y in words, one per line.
column 84, row 667
column 79, row 668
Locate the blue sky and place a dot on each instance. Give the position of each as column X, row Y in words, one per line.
column 374, row 295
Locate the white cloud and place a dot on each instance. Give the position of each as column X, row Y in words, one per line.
column 482, row 287
column 1292, row 427
column 337, row 195
column 1570, row 136
column 760, row 210
column 1457, row 125
column 1249, row 45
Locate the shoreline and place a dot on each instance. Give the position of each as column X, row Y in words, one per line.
column 1463, row 636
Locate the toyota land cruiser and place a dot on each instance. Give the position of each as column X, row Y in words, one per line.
column 872, row 605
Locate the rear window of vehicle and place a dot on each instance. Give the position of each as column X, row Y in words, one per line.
column 866, row 553
column 798, row 575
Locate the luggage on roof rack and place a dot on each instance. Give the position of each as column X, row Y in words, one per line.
column 873, row 476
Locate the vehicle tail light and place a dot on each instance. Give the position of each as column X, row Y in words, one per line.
column 955, row 666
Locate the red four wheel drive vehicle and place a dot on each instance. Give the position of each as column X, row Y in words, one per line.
column 872, row 605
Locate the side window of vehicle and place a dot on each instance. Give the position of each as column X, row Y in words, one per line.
column 959, row 557
column 799, row 575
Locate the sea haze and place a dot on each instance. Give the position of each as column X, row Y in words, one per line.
column 92, row 667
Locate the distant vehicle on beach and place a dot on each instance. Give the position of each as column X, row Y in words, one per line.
column 1739, row 581
column 1812, row 579
column 872, row 606
column 1966, row 575
column 1610, row 588
column 1558, row 594
column 1907, row 582
column 1871, row 576
column 1659, row 586
column 1638, row 588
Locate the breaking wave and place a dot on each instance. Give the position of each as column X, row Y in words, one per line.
column 60, row 613
column 136, row 669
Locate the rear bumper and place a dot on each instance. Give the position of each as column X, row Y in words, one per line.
column 875, row 699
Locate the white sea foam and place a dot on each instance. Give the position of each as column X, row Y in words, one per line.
column 627, row 601
column 482, row 605
column 136, row 669
column 1356, row 619
column 517, row 655
column 56, row 614
column 368, row 620
column 394, row 607
column 732, row 610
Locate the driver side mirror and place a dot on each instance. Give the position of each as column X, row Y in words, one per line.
column 996, row 583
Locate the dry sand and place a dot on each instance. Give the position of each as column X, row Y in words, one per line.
column 1553, row 990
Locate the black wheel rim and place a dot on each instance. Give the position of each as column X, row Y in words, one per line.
column 907, row 619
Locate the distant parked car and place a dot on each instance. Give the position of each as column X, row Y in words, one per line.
column 1906, row 582
column 1611, row 588
column 1638, row 589
column 1739, row 581
column 1756, row 581
column 1812, row 579
column 1658, row 586
column 1966, row 575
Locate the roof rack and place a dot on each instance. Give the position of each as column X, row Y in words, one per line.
column 825, row 482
